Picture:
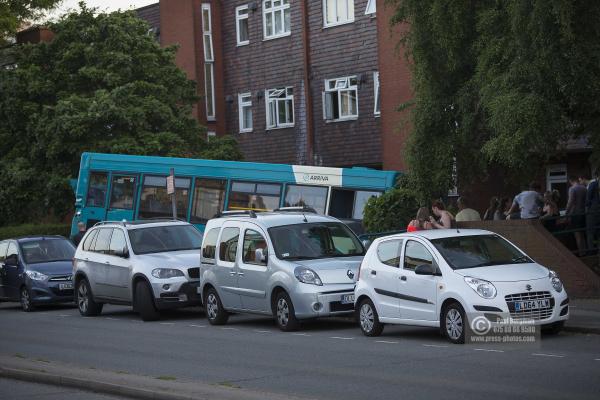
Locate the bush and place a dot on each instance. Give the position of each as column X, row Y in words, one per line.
column 7, row 232
column 391, row 211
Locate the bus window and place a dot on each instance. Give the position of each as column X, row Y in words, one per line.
column 122, row 192
column 96, row 195
column 349, row 204
column 311, row 196
column 156, row 203
column 209, row 198
column 254, row 196
column 360, row 201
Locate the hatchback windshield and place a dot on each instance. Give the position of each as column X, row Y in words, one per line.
column 47, row 250
column 164, row 238
column 315, row 240
column 478, row 251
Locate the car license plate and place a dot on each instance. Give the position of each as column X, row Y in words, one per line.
column 347, row 298
column 65, row 286
column 531, row 304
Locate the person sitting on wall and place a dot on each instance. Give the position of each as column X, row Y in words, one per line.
column 466, row 214
column 421, row 222
column 446, row 219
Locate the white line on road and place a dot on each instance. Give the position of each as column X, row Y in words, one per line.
column 259, row 331
column 596, row 359
column 63, row 315
column 546, row 355
column 167, row 323
column 490, row 350
column 340, row 338
column 197, row 326
column 301, row 334
column 112, row 319
column 434, row 345
column 230, row 329
column 386, row 341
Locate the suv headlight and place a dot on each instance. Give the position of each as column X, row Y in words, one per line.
column 307, row 275
column 555, row 280
column 483, row 288
column 36, row 276
column 166, row 273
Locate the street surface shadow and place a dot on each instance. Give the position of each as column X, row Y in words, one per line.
column 15, row 306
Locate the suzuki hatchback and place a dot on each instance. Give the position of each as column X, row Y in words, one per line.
column 441, row 278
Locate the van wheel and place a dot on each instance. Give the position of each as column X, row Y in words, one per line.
column 144, row 302
column 215, row 312
column 25, row 298
column 369, row 319
column 85, row 301
column 285, row 314
column 454, row 323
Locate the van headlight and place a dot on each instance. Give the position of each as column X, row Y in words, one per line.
column 555, row 280
column 483, row 288
column 36, row 276
column 307, row 275
column 166, row 273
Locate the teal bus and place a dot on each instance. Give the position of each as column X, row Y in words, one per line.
column 126, row 187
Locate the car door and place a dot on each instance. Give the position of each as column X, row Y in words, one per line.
column 118, row 282
column 226, row 269
column 418, row 293
column 3, row 248
column 100, row 263
column 383, row 275
column 253, row 274
column 13, row 271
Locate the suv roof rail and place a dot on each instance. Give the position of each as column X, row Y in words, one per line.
column 99, row 223
column 250, row 213
column 296, row 209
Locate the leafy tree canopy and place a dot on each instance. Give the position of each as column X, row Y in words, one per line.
column 13, row 13
column 103, row 84
column 502, row 83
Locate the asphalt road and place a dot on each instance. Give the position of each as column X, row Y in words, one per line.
column 328, row 359
column 19, row 390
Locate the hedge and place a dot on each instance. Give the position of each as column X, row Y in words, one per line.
column 7, row 232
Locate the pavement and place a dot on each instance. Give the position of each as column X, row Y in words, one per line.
column 183, row 357
column 11, row 389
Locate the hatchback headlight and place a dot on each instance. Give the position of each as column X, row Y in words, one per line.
column 555, row 280
column 36, row 276
column 483, row 288
column 307, row 275
column 166, row 273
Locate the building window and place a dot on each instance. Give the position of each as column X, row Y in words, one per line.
column 209, row 76
column 280, row 107
column 241, row 25
column 276, row 18
column 371, row 7
column 245, row 112
column 377, row 94
column 340, row 99
column 337, row 12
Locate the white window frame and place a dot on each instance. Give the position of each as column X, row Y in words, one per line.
column 341, row 85
column 377, row 87
column 276, row 10
column 338, row 22
column 208, row 61
column 276, row 124
column 241, row 104
column 239, row 18
column 371, row 7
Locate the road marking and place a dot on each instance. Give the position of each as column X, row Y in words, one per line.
column 490, row 350
column 301, row 334
column 230, row 329
column 386, row 341
column 167, row 323
column 435, row 345
column 340, row 338
column 63, row 315
column 197, row 326
column 546, row 355
column 112, row 319
column 596, row 359
column 259, row 331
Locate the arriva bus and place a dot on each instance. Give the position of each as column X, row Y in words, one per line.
column 123, row 187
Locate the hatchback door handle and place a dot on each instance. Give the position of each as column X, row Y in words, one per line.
column 106, row 262
column 403, row 278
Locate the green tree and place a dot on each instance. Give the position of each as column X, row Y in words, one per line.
column 393, row 210
column 103, row 84
column 13, row 13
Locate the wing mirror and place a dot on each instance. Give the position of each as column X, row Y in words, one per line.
column 123, row 253
column 425, row 269
column 12, row 260
column 260, row 256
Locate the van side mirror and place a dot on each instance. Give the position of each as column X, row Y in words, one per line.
column 425, row 269
column 260, row 256
column 12, row 260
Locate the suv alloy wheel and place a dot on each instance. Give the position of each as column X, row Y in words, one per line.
column 85, row 301
column 144, row 302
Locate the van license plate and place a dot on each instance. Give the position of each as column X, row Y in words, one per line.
column 347, row 298
column 65, row 286
column 531, row 304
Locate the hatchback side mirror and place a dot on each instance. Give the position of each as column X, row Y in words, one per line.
column 260, row 256
column 425, row 269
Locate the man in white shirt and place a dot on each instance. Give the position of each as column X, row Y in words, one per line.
column 466, row 214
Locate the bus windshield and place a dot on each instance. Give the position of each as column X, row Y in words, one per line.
column 161, row 239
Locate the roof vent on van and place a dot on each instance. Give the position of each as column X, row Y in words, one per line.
column 249, row 213
column 297, row 209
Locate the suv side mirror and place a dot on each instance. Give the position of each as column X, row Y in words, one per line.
column 260, row 256
column 123, row 253
column 425, row 269
column 12, row 260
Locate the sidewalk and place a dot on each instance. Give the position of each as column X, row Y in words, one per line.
column 584, row 316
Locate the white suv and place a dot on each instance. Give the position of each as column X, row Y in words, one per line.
column 450, row 278
column 151, row 265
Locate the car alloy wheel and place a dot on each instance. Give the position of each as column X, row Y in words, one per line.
column 212, row 306
column 283, row 312
column 366, row 317
column 26, row 300
column 82, row 298
column 454, row 324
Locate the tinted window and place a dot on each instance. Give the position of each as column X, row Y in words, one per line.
column 123, row 192
column 209, row 199
column 3, row 248
column 416, row 254
column 228, row 245
column 117, row 241
column 209, row 245
column 89, row 241
column 254, row 196
column 47, row 250
column 97, row 186
column 388, row 252
column 160, row 239
column 253, row 240
column 102, row 244
column 349, row 204
column 156, row 203
column 311, row 196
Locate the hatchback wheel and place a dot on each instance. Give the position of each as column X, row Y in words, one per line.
column 454, row 323
column 85, row 301
column 144, row 302
column 25, row 297
column 285, row 314
column 368, row 319
column 215, row 312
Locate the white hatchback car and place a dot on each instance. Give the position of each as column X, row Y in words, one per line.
column 441, row 278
